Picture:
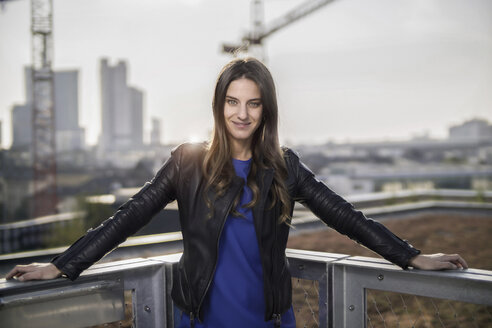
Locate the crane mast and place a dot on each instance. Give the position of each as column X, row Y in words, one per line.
column 43, row 114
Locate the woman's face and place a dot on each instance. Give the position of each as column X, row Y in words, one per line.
column 242, row 110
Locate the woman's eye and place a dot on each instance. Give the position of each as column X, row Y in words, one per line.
column 254, row 104
column 231, row 102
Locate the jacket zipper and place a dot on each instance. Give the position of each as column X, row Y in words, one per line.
column 216, row 260
column 192, row 315
column 192, row 320
column 277, row 320
column 275, row 316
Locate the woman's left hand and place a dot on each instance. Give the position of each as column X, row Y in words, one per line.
column 438, row 261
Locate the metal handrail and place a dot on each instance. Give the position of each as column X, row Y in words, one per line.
column 55, row 293
column 342, row 282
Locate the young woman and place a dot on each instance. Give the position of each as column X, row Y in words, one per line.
column 235, row 197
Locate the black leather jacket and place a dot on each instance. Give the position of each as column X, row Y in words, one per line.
column 181, row 178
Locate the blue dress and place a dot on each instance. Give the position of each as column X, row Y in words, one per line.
column 235, row 297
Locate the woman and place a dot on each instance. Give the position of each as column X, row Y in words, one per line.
column 235, row 198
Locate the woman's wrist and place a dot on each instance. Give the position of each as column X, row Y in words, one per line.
column 55, row 271
column 412, row 262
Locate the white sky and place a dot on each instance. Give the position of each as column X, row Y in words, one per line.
column 355, row 70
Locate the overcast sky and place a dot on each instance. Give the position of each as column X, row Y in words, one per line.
column 355, row 70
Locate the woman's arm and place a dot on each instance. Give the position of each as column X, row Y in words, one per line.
column 339, row 214
column 127, row 220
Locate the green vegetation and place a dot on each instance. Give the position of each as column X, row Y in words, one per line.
column 65, row 234
column 480, row 196
column 93, row 215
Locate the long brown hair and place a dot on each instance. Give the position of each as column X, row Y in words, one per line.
column 217, row 166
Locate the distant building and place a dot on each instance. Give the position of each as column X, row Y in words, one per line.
column 475, row 129
column 69, row 135
column 137, row 100
column 121, row 109
column 21, row 127
column 155, row 133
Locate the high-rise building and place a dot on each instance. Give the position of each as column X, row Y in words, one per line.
column 69, row 135
column 137, row 99
column 66, row 100
column 155, row 133
column 21, row 127
column 121, row 109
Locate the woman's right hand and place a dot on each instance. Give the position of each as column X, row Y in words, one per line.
column 438, row 261
column 34, row 271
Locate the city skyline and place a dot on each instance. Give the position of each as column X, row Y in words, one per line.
column 351, row 71
column 68, row 133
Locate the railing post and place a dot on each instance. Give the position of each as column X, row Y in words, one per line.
column 349, row 299
column 316, row 266
column 168, row 262
column 147, row 286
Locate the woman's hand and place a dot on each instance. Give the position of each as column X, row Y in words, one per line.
column 438, row 261
column 34, row 271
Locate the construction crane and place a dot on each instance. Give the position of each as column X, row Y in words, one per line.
column 43, row 112
column 252, row 42
column 43, row 115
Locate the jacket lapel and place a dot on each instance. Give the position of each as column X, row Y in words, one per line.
column 222, row 205
column 265, row 179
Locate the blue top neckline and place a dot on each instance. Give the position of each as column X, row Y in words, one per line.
column 241, row 161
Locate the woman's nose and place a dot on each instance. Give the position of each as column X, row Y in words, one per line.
column 242, row 112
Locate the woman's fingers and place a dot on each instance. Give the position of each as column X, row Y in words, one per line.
column 459, row 261
column 455, row 259
column 439, row 262
column 34, row 271
column 17, row 271
column 448, row 266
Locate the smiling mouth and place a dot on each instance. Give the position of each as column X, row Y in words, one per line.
column 241, row 125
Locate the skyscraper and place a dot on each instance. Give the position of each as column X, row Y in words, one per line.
column 69, row 135
column 121, row 109
column 155, row 133
column 21, row 127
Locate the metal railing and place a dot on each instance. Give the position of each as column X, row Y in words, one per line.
column 330, row 290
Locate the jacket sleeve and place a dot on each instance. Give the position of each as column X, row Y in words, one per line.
column 340, row 215
column 127, row 220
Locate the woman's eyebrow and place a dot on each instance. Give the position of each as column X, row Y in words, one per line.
column 234, row 98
